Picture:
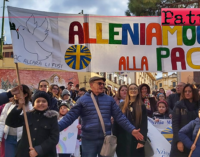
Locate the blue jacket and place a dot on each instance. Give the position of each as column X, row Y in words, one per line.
column 91, row 127
column 188, row 134
column 4, row 97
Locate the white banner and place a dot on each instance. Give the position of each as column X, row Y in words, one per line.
column 68, row 139
column 102, row 43
column 160, row 145
column 162, row 124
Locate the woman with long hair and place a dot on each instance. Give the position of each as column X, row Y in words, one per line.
column 55, row 90
column 135, row 111
column 184, row 111
column 121, row 94
column 13, row 135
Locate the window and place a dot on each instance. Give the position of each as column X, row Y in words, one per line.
column 110, row 77
column 115, row 80
column 160, row 84
column 103, row 74
column 120, row 82
column 197, row 77
column 174, row 84
column 11, row 55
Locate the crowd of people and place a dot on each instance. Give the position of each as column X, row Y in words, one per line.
column 51, row 109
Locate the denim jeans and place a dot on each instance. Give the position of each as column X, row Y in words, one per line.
column 10, row 146
column 91, row 148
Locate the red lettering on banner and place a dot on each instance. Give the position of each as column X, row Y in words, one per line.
column 122, row 63
column 79, row 32
column 144, row 62
column 142, row 33
column 86, row 34
column 175, row 59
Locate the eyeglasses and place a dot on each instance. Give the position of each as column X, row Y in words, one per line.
column 100, row 83
column 133, row 89
column 45, row 86
column 161, row 96
column 55, row 88
column 70, row 85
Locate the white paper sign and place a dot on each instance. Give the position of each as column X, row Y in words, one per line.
column 162, row 124
column 159, row 144
column 68, row 139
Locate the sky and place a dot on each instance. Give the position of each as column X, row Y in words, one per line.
column 98, row 7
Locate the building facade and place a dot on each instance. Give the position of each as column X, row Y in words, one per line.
column 167, row 82
column 146, row 77
column 192, row 77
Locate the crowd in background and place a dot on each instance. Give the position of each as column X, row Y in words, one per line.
column 136, row 102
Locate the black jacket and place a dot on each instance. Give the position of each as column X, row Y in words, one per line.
column 183, row 113
column 126, row 143
column 160, row 116
column 172, row 100
column 44, row 132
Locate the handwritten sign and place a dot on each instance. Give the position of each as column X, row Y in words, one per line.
column 69, row 42
column 68, row 139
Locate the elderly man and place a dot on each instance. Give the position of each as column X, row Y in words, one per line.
column 92, row 134
column 173, row 98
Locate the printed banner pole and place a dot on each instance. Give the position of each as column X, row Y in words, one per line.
column 195, row 142
column 24, row 111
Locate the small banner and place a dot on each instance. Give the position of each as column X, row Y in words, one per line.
column 68, row 139
column 164, row 126
column 159, row 144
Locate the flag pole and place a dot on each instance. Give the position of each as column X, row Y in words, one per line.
column 24, row 111
column 195, row 143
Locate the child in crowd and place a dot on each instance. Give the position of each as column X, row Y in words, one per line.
column 162, row 112
column 43, row 125
column 66, row 98
column 63, row 110
column 187, row 135
column 160, row 97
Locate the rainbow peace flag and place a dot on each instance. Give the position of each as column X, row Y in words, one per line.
column 168, row 134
